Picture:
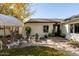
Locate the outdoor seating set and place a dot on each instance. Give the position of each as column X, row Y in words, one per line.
column 19, row 41
column 36, row 38
column 14, row 42
column 9, row 25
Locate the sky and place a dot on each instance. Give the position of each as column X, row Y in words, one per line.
column 54, row 10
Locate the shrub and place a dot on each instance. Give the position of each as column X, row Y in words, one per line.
column 53, row 33
column 74, row 42
column 28, row 30
column 33, row 51
column 62, row 34
column 49, row 34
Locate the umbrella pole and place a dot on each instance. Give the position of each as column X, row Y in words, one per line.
column 18, row 30
column 12, row 33
column 4, row 31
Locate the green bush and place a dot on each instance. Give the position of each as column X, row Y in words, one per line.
column 74, row 42
column 28, row 30
column 62, row 34
column 33, row 51
column 49, row 34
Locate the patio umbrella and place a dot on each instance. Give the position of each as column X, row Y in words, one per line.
column 9, row 21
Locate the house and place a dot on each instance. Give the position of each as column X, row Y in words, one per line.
column 42, row 26
column 70, row 27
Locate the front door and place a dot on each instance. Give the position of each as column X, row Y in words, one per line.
column 56, row 29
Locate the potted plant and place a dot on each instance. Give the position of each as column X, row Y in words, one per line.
column 36, row 37
column 28, row 31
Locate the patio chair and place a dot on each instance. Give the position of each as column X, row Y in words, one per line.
column 7, row 42
column 43, row 39
column 28, row 38
column 36, row 37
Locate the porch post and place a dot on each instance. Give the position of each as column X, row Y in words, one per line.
column 73, row 28
column 4, row 31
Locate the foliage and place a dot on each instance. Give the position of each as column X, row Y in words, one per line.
column 62, row 34
column 28, row 30
column 49, row 34
column 33, row 51
column 74, row 42
column 18, row 10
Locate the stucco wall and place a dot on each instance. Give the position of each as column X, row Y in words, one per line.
column 69, row 35
column 64, row 28
column 38, row 28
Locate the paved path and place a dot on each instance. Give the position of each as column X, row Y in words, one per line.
column 57, row 43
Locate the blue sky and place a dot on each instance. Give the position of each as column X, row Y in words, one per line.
column 54, row 10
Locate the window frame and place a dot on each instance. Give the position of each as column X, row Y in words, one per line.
column 76, row 28
column 71, row 28
column 46, row 28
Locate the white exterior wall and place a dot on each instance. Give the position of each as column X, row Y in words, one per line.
column 38, row 28
column 64, row 28
column 74, row 36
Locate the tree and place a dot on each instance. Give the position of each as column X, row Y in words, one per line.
column 18, row 10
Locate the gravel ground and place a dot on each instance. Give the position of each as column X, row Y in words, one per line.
column 57, row 43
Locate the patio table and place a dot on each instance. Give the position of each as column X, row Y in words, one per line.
column 12, row 44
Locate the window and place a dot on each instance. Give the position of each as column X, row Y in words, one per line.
column 45, row 28
column 76, row 30
column 71, row 28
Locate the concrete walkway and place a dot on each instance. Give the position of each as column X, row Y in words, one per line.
column 57, row 43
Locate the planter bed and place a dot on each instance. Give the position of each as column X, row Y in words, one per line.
column 32, row 51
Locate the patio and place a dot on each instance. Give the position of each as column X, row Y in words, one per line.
column 57, row 43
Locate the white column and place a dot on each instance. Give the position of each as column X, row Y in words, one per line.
column 73, row 28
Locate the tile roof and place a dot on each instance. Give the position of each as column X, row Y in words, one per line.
column 43, row 20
